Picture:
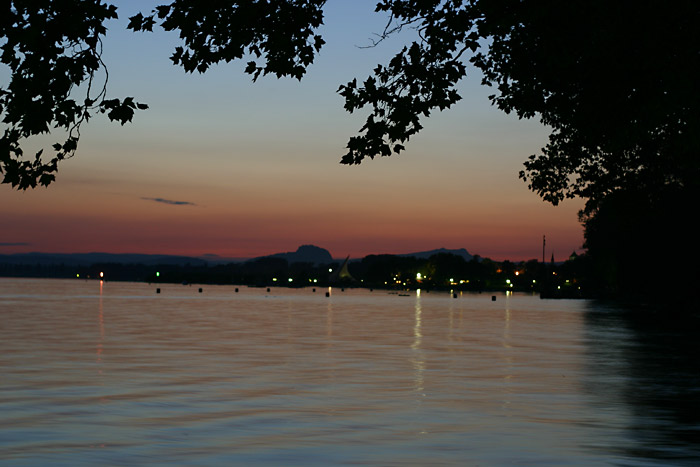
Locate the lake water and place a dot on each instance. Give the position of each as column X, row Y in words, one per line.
column 113, row 374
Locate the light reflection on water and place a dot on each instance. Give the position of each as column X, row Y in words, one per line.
column 111, row 373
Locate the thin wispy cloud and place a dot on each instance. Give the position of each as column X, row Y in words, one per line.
column 170, row 201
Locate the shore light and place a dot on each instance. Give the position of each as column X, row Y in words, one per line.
column 102, row 274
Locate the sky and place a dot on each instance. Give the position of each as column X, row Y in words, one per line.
column 221, row 165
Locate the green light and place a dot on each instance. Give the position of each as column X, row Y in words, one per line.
column 157, row 274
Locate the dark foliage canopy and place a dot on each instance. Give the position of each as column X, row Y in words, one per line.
column 615, row 81
column 52, row 47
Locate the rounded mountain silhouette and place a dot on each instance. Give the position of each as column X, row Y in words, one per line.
column 306, row 254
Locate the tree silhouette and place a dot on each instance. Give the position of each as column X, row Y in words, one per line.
column 52, row 48
column 615, row 81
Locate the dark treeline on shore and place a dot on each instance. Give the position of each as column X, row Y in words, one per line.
column 580, row 276
column 443, row 271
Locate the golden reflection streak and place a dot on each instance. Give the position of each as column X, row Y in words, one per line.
column 329, row 320
column 418, row 360
column 451, row 316
column 332, row 363
column 507, row 355
column 101, row 321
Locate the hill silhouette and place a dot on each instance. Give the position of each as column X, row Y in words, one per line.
column 305, row 254
column 427, row 254
column 86, row 259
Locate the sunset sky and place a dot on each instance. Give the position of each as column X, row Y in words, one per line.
column 221, row 165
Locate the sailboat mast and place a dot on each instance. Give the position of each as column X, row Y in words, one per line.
column 543, row 243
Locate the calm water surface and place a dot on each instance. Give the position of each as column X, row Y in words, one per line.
column 113, row 374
